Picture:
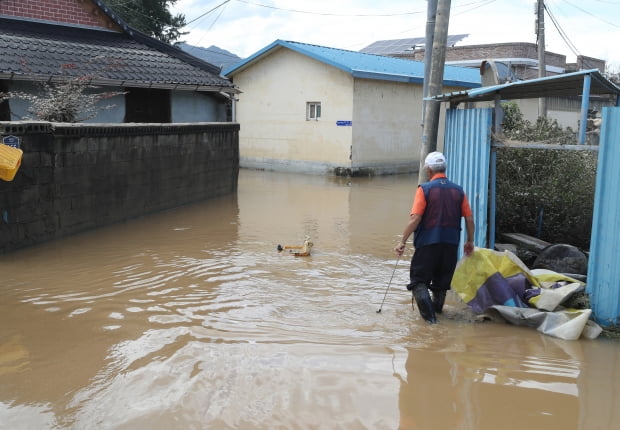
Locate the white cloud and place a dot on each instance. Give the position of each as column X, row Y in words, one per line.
column 243, row 27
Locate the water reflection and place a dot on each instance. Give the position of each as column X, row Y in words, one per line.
column 191, row 319
column 501, row 379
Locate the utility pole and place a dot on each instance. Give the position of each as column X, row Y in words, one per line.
column 431, row 11
column 435, row 84
column 540, row 41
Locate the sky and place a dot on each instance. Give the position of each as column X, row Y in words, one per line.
column 243, row 27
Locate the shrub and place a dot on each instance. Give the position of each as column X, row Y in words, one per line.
column 546, row 193
column 72, row 100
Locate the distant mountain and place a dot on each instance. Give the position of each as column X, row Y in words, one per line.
column 217, row 56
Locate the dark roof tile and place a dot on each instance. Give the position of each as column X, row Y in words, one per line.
column 38, row 51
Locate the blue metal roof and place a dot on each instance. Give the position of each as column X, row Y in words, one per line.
column 367, row 66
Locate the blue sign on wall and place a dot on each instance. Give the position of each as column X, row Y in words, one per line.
column 11, row 141
column 344, row 123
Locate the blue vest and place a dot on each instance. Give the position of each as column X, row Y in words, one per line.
column 441, row 222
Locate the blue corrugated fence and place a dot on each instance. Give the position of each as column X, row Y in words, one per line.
column 604, row 264
column 467, row 146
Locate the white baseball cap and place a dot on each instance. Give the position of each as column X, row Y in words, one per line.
column 435, row 159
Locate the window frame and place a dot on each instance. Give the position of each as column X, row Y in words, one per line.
column 313, row 111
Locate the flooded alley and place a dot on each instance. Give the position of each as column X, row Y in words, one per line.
column 191, row 319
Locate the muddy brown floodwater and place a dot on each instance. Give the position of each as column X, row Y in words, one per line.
column 191, row 319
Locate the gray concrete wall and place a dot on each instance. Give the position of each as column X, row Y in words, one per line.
column 76, row 177
column 196, row 107
column 185, row 106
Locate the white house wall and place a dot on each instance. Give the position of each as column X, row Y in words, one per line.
column 386, row 126
column 387, row 132
column 565, row 118
column 275, row 134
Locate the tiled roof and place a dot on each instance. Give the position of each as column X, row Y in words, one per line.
column 367, row 66
column 31, row 50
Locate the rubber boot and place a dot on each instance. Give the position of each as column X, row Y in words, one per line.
column 425, row 305
column 439, row 297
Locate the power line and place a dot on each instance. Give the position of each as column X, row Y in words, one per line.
column 207, row 12
column 476, row 4
column 129, row 7
column 586, row 63
column 126, row 6
column 563, row 35
column 592, row 15
column 479, row 5
column 566, row 39
column 326, row 13
column 212, row 24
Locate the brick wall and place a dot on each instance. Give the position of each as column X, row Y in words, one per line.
column 82, row 12
column 78, row 177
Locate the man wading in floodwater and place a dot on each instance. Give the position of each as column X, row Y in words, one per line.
column 435, row 218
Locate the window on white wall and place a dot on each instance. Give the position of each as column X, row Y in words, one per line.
column 313, row 111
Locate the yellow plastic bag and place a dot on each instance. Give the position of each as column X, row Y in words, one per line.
column 472, row 272
column 10, row 160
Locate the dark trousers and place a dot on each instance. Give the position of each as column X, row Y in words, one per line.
column 434, row 266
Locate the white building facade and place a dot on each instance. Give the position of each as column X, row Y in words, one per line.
column 311, row 109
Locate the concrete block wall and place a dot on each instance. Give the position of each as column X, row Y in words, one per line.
column 76, row 177
column 503, row 50
column 495, row 51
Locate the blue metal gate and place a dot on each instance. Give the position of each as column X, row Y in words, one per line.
column 603, row 264
column 467, row 145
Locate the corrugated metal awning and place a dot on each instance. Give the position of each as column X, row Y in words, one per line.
column 568, row 84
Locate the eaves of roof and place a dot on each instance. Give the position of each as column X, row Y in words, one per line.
column 37, row 51
column 361, row 65
column 567, row 84
column 155, row 43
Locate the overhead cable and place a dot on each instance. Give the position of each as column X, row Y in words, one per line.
column 207, row 12
column 592, row 15
column 326, row 13
column 563, row 35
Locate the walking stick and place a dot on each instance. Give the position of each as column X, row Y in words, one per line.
column 388, row 286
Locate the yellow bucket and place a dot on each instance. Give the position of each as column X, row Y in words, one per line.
column 10, row 160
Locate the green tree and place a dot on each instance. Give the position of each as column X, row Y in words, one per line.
column 151, row 17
